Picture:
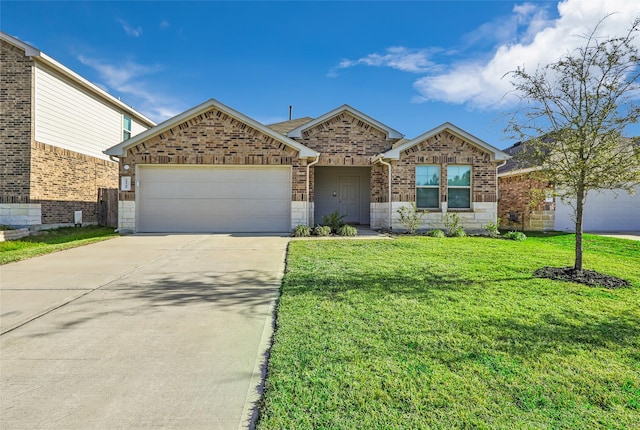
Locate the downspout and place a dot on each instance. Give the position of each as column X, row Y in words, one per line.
column 308, row 196
column 379, row 159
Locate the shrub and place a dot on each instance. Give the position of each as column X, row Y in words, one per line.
column 334, row 220
column 347, row 230
column 322, row 230
column 458, row 232
column 435, row 233
column 302, row 231
column 410, row 217
column 518, row 236
column 452, row 223
column 492, row 228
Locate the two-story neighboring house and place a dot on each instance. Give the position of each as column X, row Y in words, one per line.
column 54, row 127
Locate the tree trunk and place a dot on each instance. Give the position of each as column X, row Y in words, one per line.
column 579, row 211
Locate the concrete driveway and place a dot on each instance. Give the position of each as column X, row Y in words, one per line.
column 144, row 331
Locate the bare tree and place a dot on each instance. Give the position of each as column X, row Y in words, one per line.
column 572, row 114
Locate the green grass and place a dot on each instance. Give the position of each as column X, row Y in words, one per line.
column 48, row 241
column 454, row 333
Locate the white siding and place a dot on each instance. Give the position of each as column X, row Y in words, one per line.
column 69, row 117
column 136, row 127
column 604, row 211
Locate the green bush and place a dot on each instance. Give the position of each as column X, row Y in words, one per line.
column 347, row 230
column 410, row 217
column 492, row 228
column 458, row 232
column 302, row 231
column 333, row 220
column 435, row 233
column 518, row 236
column 452, row 224
column 322, row 230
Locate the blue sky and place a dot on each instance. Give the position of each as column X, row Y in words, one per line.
column 411, row 65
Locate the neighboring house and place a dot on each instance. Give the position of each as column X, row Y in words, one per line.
column 526, row 201
column 214, row 169
column 54, row 128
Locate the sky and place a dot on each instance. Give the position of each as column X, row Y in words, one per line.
column 410, row 65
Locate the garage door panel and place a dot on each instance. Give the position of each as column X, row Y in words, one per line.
column 214, row 199
column 604, row 211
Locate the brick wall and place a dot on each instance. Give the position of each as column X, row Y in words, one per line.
column 16, row 126
column 516, row 194
column 442, row 149
column 345, row 140
column 64, row 181
column 214, row 138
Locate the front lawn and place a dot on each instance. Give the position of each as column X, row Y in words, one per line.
column 454, row 333
column 47, row 241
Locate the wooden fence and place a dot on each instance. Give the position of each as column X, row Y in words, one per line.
column 108, row 207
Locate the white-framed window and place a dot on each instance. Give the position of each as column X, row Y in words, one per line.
column 126, row 127
column 459, row 187
column 428, row 187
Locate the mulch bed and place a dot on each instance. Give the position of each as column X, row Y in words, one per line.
column 586, row 277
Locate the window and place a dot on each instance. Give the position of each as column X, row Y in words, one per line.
column 428, row 187
column 126, row 127
column 459, row 187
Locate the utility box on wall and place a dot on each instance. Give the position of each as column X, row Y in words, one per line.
column 77, row 218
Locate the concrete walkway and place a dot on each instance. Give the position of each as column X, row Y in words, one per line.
column 630, row 235
column 144, row 331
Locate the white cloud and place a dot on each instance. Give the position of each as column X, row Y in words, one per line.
column 131, row 31
column 395, row 57
column 480, row 83
column 125, row 78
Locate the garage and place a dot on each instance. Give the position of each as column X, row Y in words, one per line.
column 224, row 199
column 604, row 211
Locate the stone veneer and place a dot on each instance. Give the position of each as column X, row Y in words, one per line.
column 472, row 221
column 516, row 194
column 126, row 216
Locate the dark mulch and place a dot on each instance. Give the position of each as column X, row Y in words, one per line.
column 586, row 277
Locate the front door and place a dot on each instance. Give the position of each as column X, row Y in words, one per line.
column 349, row 198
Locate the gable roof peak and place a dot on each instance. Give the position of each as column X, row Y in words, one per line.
column 390, row 132
column 120, row 149
column 394, row 153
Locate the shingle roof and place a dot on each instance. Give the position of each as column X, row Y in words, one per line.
column 286, row 126
column 514, row 163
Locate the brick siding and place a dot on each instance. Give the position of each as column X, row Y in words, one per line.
column 16, row 126
column 442, row 149
column 345, row 140
column 516, row 196
column 214, row 138
column 64, row 181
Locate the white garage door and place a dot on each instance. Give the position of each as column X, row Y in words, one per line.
column 604, row 211
column 213, row 199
